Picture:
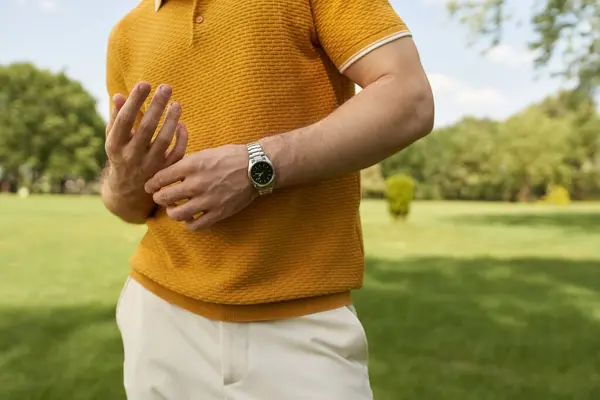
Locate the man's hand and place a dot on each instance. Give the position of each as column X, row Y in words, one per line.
column 214, row 182
column 133, row 157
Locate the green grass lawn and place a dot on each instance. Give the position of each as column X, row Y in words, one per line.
column 463, row 301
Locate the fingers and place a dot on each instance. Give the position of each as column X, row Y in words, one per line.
column 165, row 136
column 204, row 221
column 118, row 101
column 165, row 177
column 145, row 131
column 186, row 211
column 181, row 141
column 173, row 194
column 121, row 130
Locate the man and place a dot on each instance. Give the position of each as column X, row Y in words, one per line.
column 240, row 288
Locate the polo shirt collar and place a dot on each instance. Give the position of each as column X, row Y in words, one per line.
column 158, row 4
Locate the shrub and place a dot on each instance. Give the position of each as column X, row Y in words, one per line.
column 557, row 195
column 399, row 192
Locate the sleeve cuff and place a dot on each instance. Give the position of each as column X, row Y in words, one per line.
column 371, row 43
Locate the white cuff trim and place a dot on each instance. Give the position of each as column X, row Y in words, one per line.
column 373, row 46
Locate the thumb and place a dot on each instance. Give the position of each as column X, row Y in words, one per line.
column 119, row 102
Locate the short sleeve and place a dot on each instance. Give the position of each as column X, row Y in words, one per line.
column 350, row 29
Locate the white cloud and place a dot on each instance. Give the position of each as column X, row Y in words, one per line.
column 509, row 56
column 479, row 97
column 455, row 99
column 442, row 83
column 462, row 94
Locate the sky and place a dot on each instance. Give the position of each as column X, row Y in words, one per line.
column 71, row 35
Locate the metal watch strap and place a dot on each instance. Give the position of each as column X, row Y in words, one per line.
column 265, row 191
column 255, row 150
column 256, row 153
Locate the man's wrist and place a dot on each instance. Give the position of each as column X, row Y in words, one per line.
column 274, row 146
column 288, row 153
column 120, row 185
column 261, row 171
column 129, row 203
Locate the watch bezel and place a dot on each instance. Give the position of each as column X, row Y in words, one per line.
column 254, row 164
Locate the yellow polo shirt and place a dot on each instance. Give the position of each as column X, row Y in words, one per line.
column 243, row 70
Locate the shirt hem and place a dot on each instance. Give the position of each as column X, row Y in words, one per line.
column 250, row 312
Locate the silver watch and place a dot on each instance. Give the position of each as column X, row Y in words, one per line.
column 260, row 169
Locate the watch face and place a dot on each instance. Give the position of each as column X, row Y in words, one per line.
column 262, row 173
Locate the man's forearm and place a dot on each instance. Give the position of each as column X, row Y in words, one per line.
column 378, row 122
column 131, row 206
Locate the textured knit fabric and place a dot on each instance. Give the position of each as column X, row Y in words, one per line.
column 243, row 70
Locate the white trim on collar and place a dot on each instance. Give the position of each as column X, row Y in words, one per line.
column 157, row 5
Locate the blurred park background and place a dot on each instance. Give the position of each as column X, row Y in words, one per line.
column 482, row 240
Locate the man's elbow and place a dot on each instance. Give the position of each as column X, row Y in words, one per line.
column 423, row 110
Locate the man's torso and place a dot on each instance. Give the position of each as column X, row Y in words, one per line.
column 242, row 71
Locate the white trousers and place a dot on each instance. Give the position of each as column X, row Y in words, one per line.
column 173, row 354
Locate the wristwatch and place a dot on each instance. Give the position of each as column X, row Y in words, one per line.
column 260, row 169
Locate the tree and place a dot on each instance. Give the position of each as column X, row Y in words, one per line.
column 533, row 152
column 49, row 126
column 582, row 154
column 555, row 142
column 568, row 30
column 455, row 162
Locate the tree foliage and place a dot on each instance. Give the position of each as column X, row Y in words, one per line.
column 556, row 142
column 532, row 151
column 566, row 30
column 372, row 183
column 49, row 126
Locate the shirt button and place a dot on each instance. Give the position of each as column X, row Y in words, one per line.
column 199, row 19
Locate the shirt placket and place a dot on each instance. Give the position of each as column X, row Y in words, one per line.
column 196, row 22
